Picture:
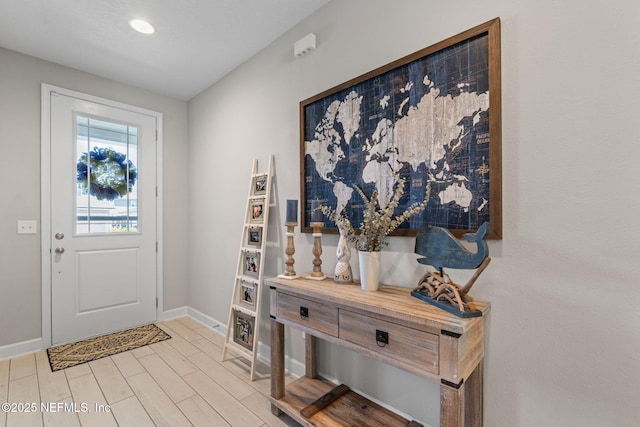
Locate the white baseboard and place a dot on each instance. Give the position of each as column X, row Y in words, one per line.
column 173, row 313
column 294, row 367
column 207, row 320
column 20, row 348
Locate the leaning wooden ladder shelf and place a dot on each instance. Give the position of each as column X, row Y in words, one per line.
column 244, row 313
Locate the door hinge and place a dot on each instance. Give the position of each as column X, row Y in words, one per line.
column 156, row 302
column 156, row 135
column 156, row 191
column 156, row 246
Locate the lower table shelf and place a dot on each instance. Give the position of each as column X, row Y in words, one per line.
column 350, row 409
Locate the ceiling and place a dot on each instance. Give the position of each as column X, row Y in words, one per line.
column 196, row 42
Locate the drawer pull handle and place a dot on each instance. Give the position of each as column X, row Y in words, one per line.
column 382, row 338
column 304, row 313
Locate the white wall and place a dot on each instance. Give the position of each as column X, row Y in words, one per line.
column 563, row 336
column 20, row 271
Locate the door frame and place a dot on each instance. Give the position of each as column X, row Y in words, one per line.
column 45, row 197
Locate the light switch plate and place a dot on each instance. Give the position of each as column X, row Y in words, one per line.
column 27, row 227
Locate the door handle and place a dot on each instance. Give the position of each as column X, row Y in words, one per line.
column 59, row 236
column 59, row 250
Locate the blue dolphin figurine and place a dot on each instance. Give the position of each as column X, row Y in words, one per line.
column 441, row 249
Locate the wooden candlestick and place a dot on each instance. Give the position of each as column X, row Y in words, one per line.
column 289, row 273
column 317, row 273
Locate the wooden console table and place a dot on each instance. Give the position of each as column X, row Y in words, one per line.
column 388, row 325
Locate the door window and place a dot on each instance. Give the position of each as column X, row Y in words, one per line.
column 106, row 177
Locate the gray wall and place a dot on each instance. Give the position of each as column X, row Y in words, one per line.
column 20, row 271
column 563, row 336
column 563, row 340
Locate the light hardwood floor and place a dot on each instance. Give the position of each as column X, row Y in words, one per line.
column 178, row 382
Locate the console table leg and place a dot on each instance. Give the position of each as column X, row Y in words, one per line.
column 311, row 365
column 277, row 364
column 473, row 400
column 462, row 406
column 451, row 406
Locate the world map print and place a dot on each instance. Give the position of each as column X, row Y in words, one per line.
column 427, row 120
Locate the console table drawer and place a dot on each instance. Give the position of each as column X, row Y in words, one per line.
column 310, row 314
column 407, row 345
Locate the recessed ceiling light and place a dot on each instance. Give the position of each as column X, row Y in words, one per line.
column 142, row 26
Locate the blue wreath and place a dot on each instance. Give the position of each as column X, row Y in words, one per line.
column 107, row 173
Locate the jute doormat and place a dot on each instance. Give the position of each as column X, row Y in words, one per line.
column 68, row 355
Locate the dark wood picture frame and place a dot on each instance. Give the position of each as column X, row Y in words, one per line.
column 244, row 327
column 490, row 30
column 254, row 236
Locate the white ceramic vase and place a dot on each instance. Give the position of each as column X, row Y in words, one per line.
column 369, row 270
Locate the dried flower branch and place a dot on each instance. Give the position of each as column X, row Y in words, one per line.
column 377, row 223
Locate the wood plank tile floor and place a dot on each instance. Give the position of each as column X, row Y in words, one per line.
column 178, row 382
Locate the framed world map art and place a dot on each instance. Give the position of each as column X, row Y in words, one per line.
column 432, row 116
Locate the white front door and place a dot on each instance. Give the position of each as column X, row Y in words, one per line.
column 102, row 218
